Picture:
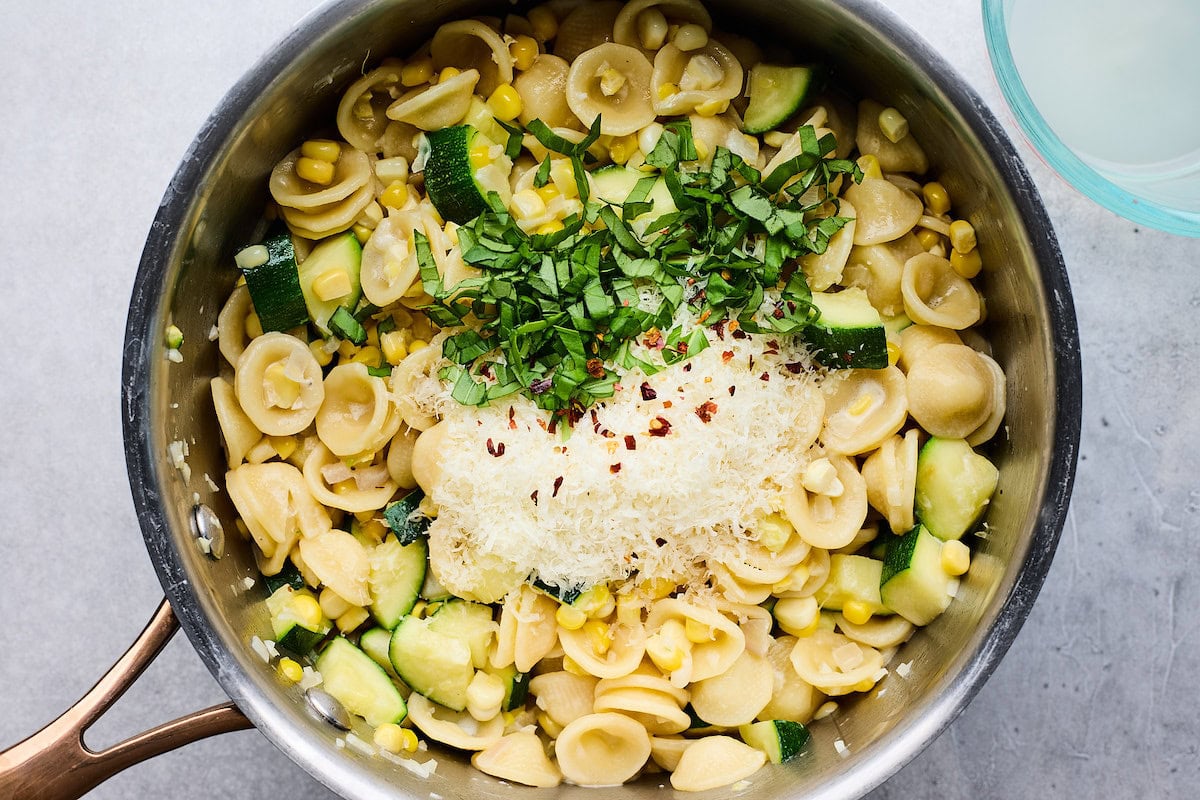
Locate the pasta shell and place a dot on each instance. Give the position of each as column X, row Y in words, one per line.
column 455, row 728
column 237, row 431
column 471, row 45
column 625, row 653
column 709, row 658
column 877, row 270
column 627, row 110
column 950, row 391
column 792, row 697
column 268, row 361
column 891, row 477
column 400, row 458
column 863, row 409
column 564, row 696
column 737, row 695
column 411, row 380
column 878, row 632
column 715, row 761
column 588, row 25
column 362, row 112
column 829, row 522
column 528, row 630
column 274, row 503
column 724, row 130
column 934, row 294
column 518, row 757
column 667, row 750
column 885, row 211
column 440, row 106
column 351, row 172
column 825, row 269
column 326, row 220
column 710, row 74
column 916, row 339
column 378, row 491
column 903, row 156
column 341, row 563
column 656, row 711
column 602, row 749
column 389, row 259
column 231, row 324
column 354, row 418
column 678, row 12
column 999, row 403
column 426, row 458
column 543, row 91
column 820, row 660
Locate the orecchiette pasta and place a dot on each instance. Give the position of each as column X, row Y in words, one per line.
column 231, row 324
column 455, row 728
column 357, row 416
column 905, row 155
column 696, row 80
column 999, row 404
column 278, row 384
column 950, row 390
column 624, row 653
column 791, row 696
column 644, row 23
column 934, row 294
column 543, row 91
column 237, row 431
column 470, row 44
column 400, row 458
column 273, row 502
column 648, row 698
column 723, row 643
column 878, row 632
column 407, row 378
column 715, row 761
column 878, row 268
column 836, row 665
column 518, row 757
column 885, row 211
column 891, row 477
column 602, row 749
column 439, row 106
column 611, row 81
column 825, row 269
column 864, row 409
column 340, row 562
column 362, row 112
column 588, row 25
column 355, row 489
column 737, row 695
column 916, row 339
column 829, row 522
column 667, row 750
column 563, row 696
column 527, row 629
column 389, row 259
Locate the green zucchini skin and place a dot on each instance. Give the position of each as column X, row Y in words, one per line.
column 340, row 251
column 275, row 286
column 776, row 93
column 449, row 177
column 913, row 582
column 849, row 334
column 359, row 684
column 954, row 486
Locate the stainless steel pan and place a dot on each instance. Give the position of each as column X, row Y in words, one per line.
column 209, row 210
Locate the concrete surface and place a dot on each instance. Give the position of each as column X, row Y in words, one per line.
column 1096, row 698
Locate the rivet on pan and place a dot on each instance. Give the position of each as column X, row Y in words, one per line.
column 327, row 708
column 208, row 531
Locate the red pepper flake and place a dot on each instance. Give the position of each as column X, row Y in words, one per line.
column 512, row 412
column 660, row 426
column 557, row 485
column 739, row 333
column 704, row 315
column 595, row 368
column 667, row 403
column 542, row 423
column 795, row 367
column 648, row 392
column 719, row 327
column 706, row 410
column 533, row 496
column 615, row 468
column 495, row 450
column 766, row 376
column 630, row 442
column 732, row 389
column 595, row 422
column 773, row 344
column 653, row 338
column 727, row 356
column 687, row 367
column 607, row 434
column 777, row 313
column 682, row 348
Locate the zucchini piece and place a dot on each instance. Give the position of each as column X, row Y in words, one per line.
column 397, row 574
column 296, row 619
column 849, row 333
column 344, row 325
column 399, row 517
column 359, row 684
column 375, row 643
column 613, row 184
column 954, row 485
column 436, row 665
column 468, row 622
column 432, row 591
column 450, row 176
column 563, row 594
column 781, row 739
column 287, row 576
column 776, row 93
column 516, row 686
column 275, row 286
column 913, row 582
column 893, row 325
column 337, row 253
column 852, row 578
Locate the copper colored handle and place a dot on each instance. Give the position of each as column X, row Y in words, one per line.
column 55, row 764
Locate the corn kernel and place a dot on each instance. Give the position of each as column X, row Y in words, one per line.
column 313, row 171
column 861, row 405
column 307, row 611
column 485, row 695
column 250, row 257
column 373, row 529
column 419, row 608
column 352, row 619
column 331, row 284
column 928, row 238
column 323, row 356
column 667, row 656
column 962, row 236
column 284, row 391
column 394, row 349
column 284, row 445
column 551, row 728
column 967, row 265
column 697, row 632
column 362, row 233
column 629, row 610
column 652, row 28
column 543, row 22
column 290, row 670
column 658, row 588
column 864, row 685
column 956, row 557
column 553, row 226
column 869, row 164
column 570, row 617
column 857, row 612
column 599, row 635
column 253, row 326
column 548, row 192
column 893, row 124
column 480, row 156
column 321, row 150
column 572, row 666
column 622, row 147
column 332, row 604
column 417, row 344
column 389, row 737
column 799, row 616
column 505, row 103
column 528, row 204
column 711, row 108
column 447, row 73
column 395, row 195
column 523, row 51
column 773, row 532
column 611, row 82
column 369, row 355
column 416, row 72
column 937, row 199
column 665, row 90
column 826, row 708
column 893, row 353
column 690, row 37
column 372, row 329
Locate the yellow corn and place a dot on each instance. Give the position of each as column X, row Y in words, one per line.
column 369, row 355
column 362, row 233
column 611, row 82
column 690, row 37
column 570, row 617
column 893, row 351
column 928, row 238
column 552, row 728
column 416, row 72
column 857, row 612
column 710, row 108
column 798, row 616
column 658, row 588
column 773, row 532
column 395, row 195
column 697, row 632
column 286, row 390
column 419, row 609
column 448, row 73
column 528, row 204
column 314, row 171
column 394, row 349
column 553, row 226
column 548, row 192
column 543, row 22
column 372, row 328
column 629, row 610
column 290, row 670
column 665, row 90
column 307, row 611
column 862, row 404
column 317, row 348
column 668, row 646
column 622, row 148
column 864, row 685
column 597, row 602
column 869, row 164
column 253, row 325
column 331, row 284
column 352, row 619
column 506, row 103
column 347, row 348
column 571, row 666
column 417, row 344
column 284, row 445
column 374, row 529
column 321, row 150
column 480, row 156
column 966, row 264
column 332, row 604
column 523, row 51
column 956, row 557
column 893, row 124
column 962, row 236
column 599, row 635
column 937, row 199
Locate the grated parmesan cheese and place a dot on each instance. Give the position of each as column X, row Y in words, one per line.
column 734, row 432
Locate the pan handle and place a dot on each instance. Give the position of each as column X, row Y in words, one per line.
column 55, row 764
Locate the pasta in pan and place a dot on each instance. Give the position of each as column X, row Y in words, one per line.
column 601, row 402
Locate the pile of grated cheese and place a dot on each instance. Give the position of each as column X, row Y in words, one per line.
column 514, row 500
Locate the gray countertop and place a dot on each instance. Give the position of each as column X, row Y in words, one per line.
column 100, row 100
